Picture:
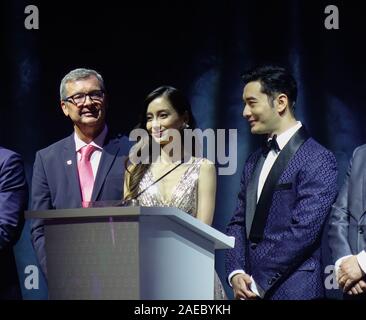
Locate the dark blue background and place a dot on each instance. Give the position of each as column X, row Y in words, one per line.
column 199, row 46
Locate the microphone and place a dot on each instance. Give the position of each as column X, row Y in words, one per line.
column 134, row 202
column 130, row 202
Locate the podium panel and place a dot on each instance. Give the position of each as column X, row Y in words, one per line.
column 95, row 259
column 129, row 253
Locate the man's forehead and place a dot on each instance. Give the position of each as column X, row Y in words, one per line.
column 253, row 85
column 91, row 81
column 252, row 89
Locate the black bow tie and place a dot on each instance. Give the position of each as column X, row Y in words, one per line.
column 271, row 144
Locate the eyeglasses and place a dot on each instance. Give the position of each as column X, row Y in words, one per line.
column 79, row 99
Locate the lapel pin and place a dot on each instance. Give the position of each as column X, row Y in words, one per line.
column 69, row 162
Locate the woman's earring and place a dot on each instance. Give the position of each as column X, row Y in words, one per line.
column 185, row 126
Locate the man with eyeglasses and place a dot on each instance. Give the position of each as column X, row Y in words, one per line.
column 85, row 167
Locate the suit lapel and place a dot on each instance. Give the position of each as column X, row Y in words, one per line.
column 110, row 151
column 251, row 194
column 363, row 193
column 70, row 164
column 265, row 200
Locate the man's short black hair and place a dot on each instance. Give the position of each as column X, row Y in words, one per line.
column 274, row 80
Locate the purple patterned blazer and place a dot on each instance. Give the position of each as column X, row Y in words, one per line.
column 286, row 261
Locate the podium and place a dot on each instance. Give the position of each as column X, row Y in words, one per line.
column 129, row 253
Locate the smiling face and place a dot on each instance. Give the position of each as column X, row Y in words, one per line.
column 262, row 115
column 89, row 113
column 161, row 117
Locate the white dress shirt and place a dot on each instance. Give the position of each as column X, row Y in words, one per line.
column 282, row 140
column 97, row 154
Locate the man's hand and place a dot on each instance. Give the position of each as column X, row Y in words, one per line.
column 350, row 274
column 358, row 288
column 241, row 284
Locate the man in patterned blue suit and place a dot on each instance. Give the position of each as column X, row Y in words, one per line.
column 287, row 189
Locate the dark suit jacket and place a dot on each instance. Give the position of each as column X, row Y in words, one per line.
column 286, row 263
column 55, row 183
column 347, row 223
column 13, row 202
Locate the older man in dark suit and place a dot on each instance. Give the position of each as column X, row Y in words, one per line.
column 85, row 167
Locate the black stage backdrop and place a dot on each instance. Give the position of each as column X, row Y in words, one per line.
column 199, row 46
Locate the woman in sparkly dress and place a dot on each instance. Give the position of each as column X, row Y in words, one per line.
column 185, row 181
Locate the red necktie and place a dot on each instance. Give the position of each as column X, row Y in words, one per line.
column 86, row 176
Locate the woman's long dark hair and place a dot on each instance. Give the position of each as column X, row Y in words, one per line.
column 181, row 105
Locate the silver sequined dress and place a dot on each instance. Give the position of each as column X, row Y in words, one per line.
column 183, row 197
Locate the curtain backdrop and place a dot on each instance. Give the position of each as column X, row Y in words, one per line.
column 199, row 46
